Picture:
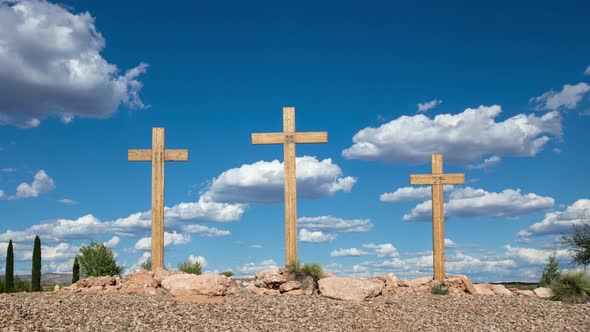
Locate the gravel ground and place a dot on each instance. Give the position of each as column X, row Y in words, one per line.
column 248, row 312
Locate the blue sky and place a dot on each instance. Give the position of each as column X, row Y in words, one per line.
column 501, row 89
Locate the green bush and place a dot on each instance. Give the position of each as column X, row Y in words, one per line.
column 147, row 265
column 572, row 287
column 294, row 267
column 36, row 268
column 579, row 243
column 439, row 290
column 98, row 260
column 227, row 274
column 313, row 270
column 191, row 267
column 551, row 272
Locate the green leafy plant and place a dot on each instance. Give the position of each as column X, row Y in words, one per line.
column 579, row 243
column 36, row 268
column 227, row 274
column 439, row 290
column 294, row 267
column 98, row 260
column 75, row 271
column 192, row 267
column 9, row 272
column 572, row 287
column 147, row 265
column 313, row 270
column 550, row 273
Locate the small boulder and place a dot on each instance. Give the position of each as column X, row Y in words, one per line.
column 454, row 285
column 272, row 278
column 543, row 292
column 483, row 289
column 294, row 292
column 191, row 284
column 501, row 290
column 403, row 283
column 420, row 282
column 290, row 286
column 348, row 288
column 469, row 287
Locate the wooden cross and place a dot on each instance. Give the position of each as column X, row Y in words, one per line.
column 289, row 138
column 437, row 179
column 158, row 155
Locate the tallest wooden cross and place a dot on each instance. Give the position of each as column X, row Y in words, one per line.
column 437, row 179
column 158, row 155
column 289, row 137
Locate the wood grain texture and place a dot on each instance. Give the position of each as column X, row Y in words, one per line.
column 282, row 138
column 289, row 138
column 437, row 179
column 427, row 179
column 146, row 155
column 157, row 198
column 438, row 219
column 157, row 155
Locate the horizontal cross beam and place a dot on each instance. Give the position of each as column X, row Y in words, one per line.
column 428, row 179
column 282, row 138
column 146, row 155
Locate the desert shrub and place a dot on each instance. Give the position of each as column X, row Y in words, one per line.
column 439, row 290
column 36, row 268
column 572, row 287
column 579, row 243
column 294, row 267
column 227, row 274
column 147, row 265
column 313, row 270
column 98, row 260
column 191, row 267
column 550, row 273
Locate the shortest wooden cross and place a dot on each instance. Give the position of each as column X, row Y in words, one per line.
column 437, row 179
column 158, row 155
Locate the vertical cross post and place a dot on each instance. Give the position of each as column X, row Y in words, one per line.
column 289, row 138
column 290, row 185
column 157, row 155
column 437, row 179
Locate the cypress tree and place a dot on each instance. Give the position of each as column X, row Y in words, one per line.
column 75, row 271
column 36, row 273
column 9, row 273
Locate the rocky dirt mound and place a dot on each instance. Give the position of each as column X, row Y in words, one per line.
column 279, row 281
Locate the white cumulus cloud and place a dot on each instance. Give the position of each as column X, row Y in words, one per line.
column 354, row 252
column 408, row 194
column 566, row 99
column 486, row 164
column 113, row 242
column 559, row 222
column 315, row 236
column 42, row 183
column 463, row 138
column 471, row 202
column 383, row 250
column 169, row 239
column 51, row 65
column 263, row 181
column 205, row 231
